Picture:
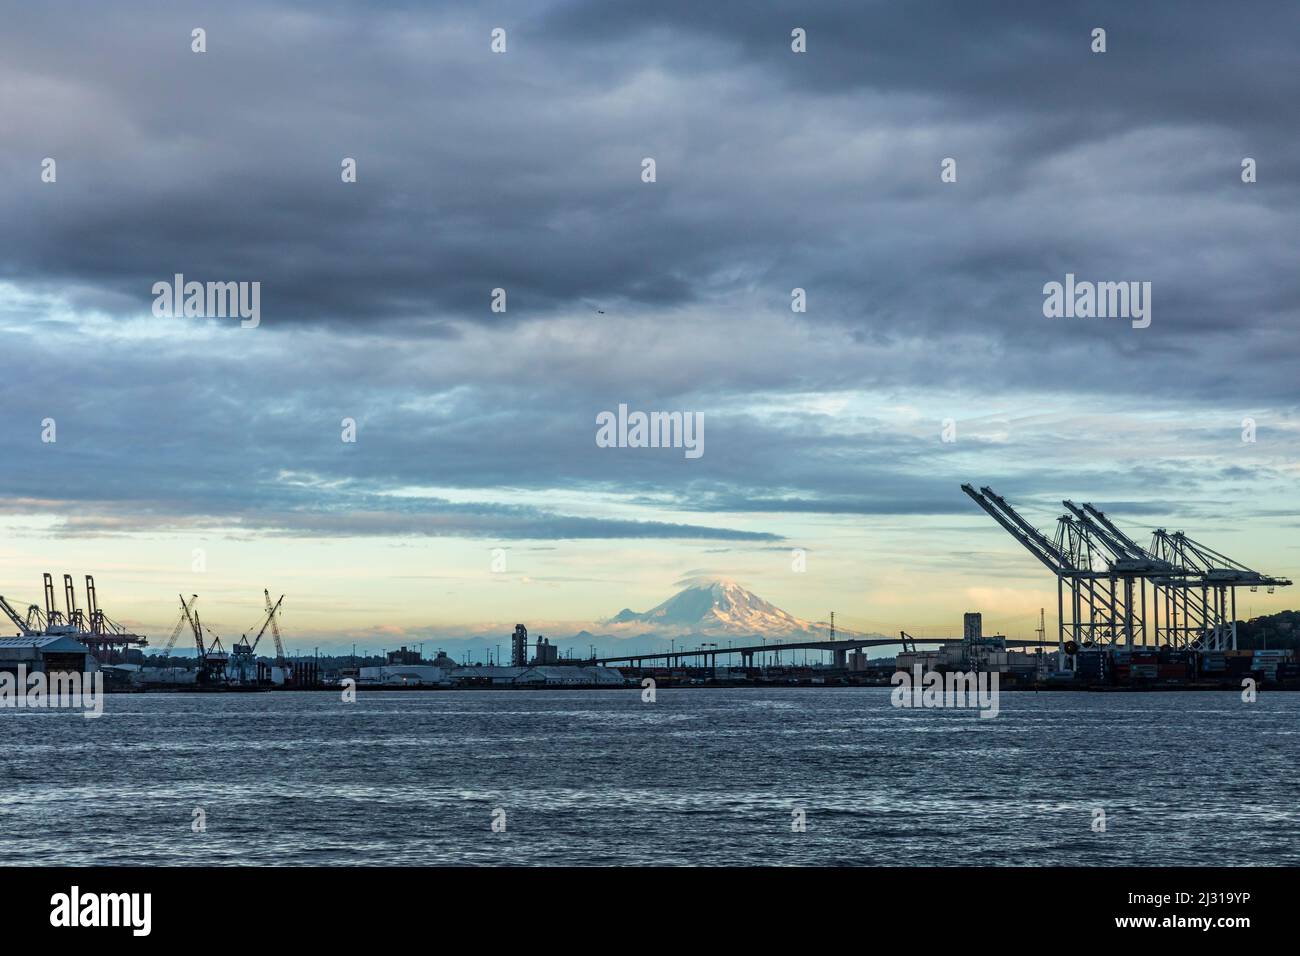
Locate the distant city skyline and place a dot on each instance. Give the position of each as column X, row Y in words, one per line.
column 408, row 462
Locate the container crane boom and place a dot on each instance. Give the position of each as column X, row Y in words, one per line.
column 1021, row 530
column 23, row 629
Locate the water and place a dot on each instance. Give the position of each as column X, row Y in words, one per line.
column 699, row 777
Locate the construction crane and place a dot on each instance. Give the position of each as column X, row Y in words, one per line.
column 212, row 656
column 268, row 621
column 192, row 616
column 271, row 610
column 244, row 667
column 186, row 607
column 213, row 645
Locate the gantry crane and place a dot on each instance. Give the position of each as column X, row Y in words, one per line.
column 107, row 640
column 24, row 629
column 92, row 607
column 74, row 615
column 1108, row 574
column 1201, row 607
column 53, row 616
column 1061, row 561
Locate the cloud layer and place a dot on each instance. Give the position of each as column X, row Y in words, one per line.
column 522, row 171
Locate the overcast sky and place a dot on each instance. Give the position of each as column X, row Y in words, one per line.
column 523, row 171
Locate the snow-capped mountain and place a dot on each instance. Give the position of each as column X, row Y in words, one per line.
column 718, row 607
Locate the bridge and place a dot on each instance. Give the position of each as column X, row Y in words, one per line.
column 839, row 648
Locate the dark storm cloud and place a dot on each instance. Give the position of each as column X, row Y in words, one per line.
column 522, row 171
column 982, row 55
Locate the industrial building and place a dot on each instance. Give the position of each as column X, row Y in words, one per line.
column 406, row 669
column 569, row 677
column 47, row 653
column 403, row 656
column 974, row 652
column 406, row 675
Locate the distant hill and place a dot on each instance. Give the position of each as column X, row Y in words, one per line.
column 1272, row 631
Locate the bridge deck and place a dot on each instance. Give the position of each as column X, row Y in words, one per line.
column 840, row 645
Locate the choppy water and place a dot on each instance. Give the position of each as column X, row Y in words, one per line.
column 699, row 777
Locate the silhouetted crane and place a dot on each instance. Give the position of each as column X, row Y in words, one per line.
column 186, row 607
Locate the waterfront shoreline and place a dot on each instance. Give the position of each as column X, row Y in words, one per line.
column 721, row 685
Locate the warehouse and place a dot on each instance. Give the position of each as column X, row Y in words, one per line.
column 47, row 653
column 569, row 676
